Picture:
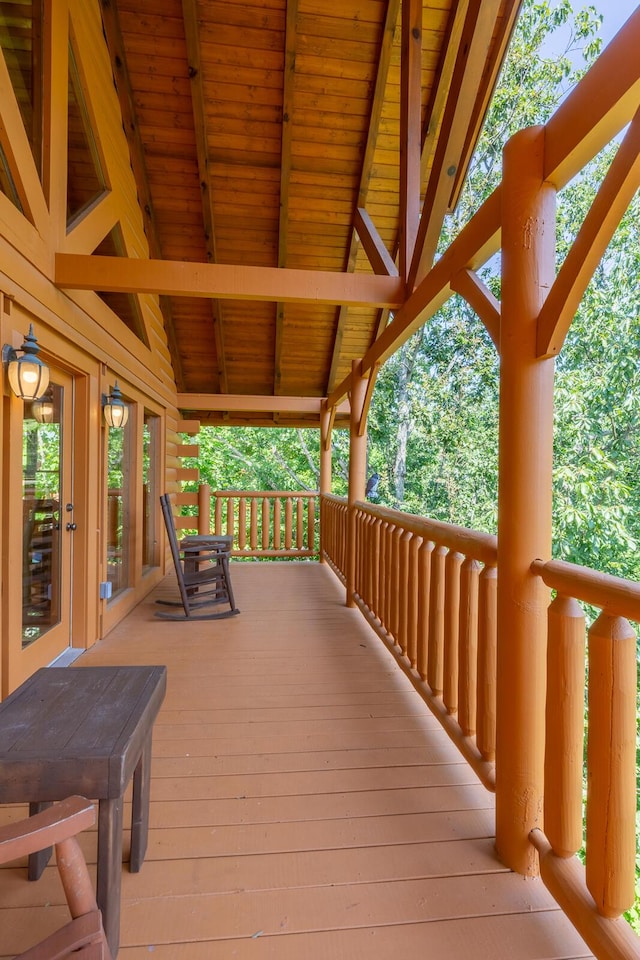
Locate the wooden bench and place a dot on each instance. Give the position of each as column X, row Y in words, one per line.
column 85, row 730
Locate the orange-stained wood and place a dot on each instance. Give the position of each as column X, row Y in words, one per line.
column 357, row 467
column 564, row 749
column 612, row 199
column 611, row 783
column 122, row 275
column 524, row 496
column 469, row 285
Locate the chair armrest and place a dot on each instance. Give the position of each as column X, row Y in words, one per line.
column 59, row 822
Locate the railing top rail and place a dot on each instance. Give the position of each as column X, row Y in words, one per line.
column 470, row 543
column 614, row 594
column 264, row 493
column 333, row 498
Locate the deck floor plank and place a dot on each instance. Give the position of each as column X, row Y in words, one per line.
column 305, row 803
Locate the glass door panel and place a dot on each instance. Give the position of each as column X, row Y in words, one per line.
column 46, row 509
column 119, row 497
column 150, row 493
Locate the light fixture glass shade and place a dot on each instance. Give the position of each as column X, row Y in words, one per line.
column 116, row 411
column 28, row 375
column 43, row 410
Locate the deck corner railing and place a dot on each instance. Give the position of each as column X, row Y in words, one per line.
column 263, row 523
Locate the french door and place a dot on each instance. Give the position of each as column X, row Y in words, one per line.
column 48, row 523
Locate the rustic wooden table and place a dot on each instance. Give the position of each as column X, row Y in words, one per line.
column 85, row 730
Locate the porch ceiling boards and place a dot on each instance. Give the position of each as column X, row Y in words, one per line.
column 304, row 802
column 258, row 129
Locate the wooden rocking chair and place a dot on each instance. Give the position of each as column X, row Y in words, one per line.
column 83, row 938
column 202, row 571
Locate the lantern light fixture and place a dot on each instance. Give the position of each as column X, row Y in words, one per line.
column 28, row 375
column 116, row 411
column 43, row 409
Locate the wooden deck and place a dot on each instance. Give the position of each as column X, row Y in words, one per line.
column 305, row 804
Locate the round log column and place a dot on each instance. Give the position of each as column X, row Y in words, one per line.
column 524, row 497
column 325, row 462
column 357, row 468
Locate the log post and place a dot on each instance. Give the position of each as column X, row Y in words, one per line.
column 357, row 468
column 204, row 509
column 325, row 466
column 524, row 497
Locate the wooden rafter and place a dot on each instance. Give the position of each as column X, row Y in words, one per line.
column 379, row 257
column 210, row 280
column 605, row 100
column 235, row 403
column 190, row 16
column 410, row 131
column 384, row 62
column 285, row 171
column 614, row 196
column 470, row 61
column 115, row 43
column 469, row 285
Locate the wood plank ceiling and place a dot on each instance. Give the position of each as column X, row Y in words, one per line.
column 268, row 133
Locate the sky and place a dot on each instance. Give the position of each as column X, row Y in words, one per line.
column 615, row 12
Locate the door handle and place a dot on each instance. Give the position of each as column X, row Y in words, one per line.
column 71, row 526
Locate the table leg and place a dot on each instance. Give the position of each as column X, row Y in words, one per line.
column 140, row 811
column 110, row 868
column 39, row 859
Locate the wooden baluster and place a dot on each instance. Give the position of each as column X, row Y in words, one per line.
column 361, row 555
column 451, row 634
column 435, row 671
column 253, row 531
column 375, row 566
column 288, row 523
column 404, row 544
column 218, row 515
column 276, row 524
column 204, row 509
column 487, row 662
column 394, row 596
column 230, row 517
column 299, row 523
column 242, row 523
column 424, row 596
column 565, row 727
column 266, row 532
column 311, row 525
column 412, row 601
column 468, row 646
column 385, row 574
column 611, row 770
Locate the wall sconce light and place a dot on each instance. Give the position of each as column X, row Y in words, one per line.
column 43, row 409
column 28, row 374
column 116, row 411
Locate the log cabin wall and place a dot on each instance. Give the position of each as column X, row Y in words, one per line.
column 46, row 206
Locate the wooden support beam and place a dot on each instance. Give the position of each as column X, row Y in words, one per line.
column 203, row 154
column 357, row 471
column 379, row 257
column 231, row 402
column 227, row 282
column 612, row 199
column 470, row 63
column 384, row 63
column 469, row 285
column 92, row 226
column 605, row 101
column 332, row 419
column 371, row 382
column 410, row 131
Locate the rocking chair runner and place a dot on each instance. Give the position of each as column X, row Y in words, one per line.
column 83, row 938
column 202, row 570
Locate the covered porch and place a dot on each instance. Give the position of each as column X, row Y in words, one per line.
column 305, row 801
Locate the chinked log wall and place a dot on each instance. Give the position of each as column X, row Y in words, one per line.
column 429, row 590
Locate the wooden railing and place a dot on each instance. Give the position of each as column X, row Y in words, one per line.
column 263, row 523
column 595, row 895
column 429, row 590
